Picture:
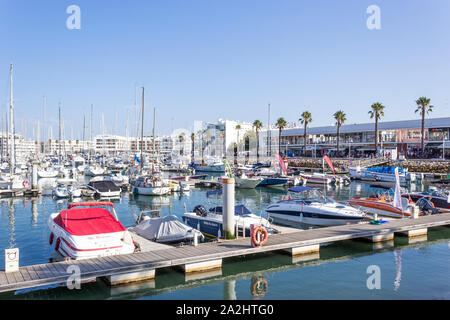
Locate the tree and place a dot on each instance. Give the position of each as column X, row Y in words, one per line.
column 257, row 125
column 238, row 128
column 181, row 139
column 340, row 119
column 305, row 119
column 377, row 112
column 423, row 105
column 193, row 145
column 281, row 125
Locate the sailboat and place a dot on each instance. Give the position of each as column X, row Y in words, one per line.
column 12, row 180
column 242, row 181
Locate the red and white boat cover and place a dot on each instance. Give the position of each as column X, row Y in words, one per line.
column 88, row 230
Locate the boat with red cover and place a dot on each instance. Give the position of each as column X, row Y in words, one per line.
column 89, row 230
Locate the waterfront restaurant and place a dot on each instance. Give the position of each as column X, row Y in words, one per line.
column 400, row 137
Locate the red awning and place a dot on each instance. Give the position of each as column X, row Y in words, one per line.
column 88, row 221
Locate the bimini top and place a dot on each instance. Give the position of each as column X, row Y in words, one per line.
column 88, row 221
column 238, row 210
column 300, row 189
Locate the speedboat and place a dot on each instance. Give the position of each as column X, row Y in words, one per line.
column 384, row 206
column 151, row 185
column 309, row 206
column 210, row 222
column 47, row 173
column 60, row 192
column 92, row 171
column 90, row 232
column 383, row 174
column 104, row 189
column 317, row 178
column 167, row 229
column 438, row 198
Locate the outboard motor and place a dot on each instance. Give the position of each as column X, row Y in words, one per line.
column 426, row 206
column 200, row 211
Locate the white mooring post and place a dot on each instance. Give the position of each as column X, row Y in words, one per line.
column 34, row 182
column 228, row 208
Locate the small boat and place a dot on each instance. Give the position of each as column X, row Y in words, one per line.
column 244, row 182
column 47, row 173
column 151, row 185
column 438, row 198
column 317, row 178
column 73, row 230
column 213, row 167
column 384, row 206
column 210, row 222
column 104, row 189
column 309, row 206
column 93, row 171
column 167, row 229
column 60, row 192
column 383, row 174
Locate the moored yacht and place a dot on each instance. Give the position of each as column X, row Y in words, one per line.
column 309, row 206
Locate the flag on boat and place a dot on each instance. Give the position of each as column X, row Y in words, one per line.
column 330, row 164
column 397, row 195
column 282, row 166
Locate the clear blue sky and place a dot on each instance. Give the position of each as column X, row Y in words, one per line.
column 203, row 59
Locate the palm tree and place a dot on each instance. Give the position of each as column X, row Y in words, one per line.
column 423, row 105
column 377, row 112
column 340, row 119
column 281, row 124
column 181, row 139
column 238, row 128
column 258, row 126
column 193, row 145
column 305, row 119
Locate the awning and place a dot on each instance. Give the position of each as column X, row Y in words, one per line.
column 445, row 145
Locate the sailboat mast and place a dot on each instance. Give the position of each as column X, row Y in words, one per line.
column 142, row 132
column 44, row 138
column 59, row 131
column 11, row 127
column 154, row 138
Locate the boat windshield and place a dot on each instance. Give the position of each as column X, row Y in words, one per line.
column 310, row 195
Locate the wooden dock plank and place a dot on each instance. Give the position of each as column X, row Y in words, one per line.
column 30, row 276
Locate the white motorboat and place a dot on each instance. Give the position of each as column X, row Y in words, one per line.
column 49, row 173
column 92, row 171
column 210, row 222
column 90, row 232
column 311, row 207
column 150, row 186
column 104, row 189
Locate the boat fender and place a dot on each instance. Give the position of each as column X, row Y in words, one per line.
column 259, row 236
column 57, row 243
column 50, row 240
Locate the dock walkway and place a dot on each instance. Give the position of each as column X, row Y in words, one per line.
column 57, row 273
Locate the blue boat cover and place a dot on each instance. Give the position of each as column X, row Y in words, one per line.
column 238, row 210
column 299, row 189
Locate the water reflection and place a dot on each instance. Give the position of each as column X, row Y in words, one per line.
column 398, row 264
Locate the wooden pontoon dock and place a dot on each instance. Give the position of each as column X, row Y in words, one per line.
column 208, row 256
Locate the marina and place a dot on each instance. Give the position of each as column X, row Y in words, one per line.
column 229, row 151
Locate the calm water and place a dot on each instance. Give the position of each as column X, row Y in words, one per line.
column 408, row 270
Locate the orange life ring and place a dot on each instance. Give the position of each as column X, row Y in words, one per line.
column 50, row 240
column 26, row 183
column 258, row 241
column 57, row 243
column 259, row 286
